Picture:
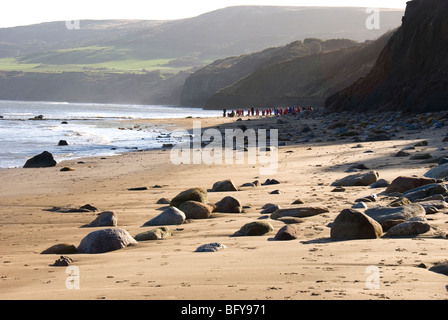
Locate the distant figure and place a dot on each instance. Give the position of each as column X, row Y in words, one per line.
column 224, row 113
column 257, row 112
column 252, row 111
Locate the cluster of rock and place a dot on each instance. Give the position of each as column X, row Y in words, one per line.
column 357, row 127
column 415, row 197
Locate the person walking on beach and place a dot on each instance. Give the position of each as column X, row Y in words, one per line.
column 224, row 113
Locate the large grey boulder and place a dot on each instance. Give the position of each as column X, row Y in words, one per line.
column 352, row 224
column 359, row 179
column 439, row 172
column 170, row 216
column 105, row 240
column 425, row 191
column 406, row 212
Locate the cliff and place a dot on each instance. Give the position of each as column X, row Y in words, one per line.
column 306, row 80
column 411, row 73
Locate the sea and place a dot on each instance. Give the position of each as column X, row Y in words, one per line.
column 90, row 129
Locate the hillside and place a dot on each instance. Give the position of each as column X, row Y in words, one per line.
column 102, row 48
column 204, row 83
column 303, row 80
column 411, row 72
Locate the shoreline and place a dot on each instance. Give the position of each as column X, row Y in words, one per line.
column 310, row 267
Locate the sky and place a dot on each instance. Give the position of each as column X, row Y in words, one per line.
column 25, row 12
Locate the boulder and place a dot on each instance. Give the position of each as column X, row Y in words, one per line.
column 105, row 240
column 229, row 205
column 43, row 160
column 193, row 194
column 387, row 224
column 270, row 182
column 160, row 233
column 405, row 212
column 351, row 224
column 269, row 208
column 402, row 201
column 290, row 220
column 411, row 227
column 196, row 210
column 433, row 204
column 170, row 216
column 163, row 201
column 298, row 212
column 402, row 153
column 64, row 169
column 61, row 248
column 256, row 228
column 62, row 143
column 288, row 232
column 440, row 267
column 439, row 172
column 420, row 156
column 223, row 186
column 359, row 179
column 104, row 219
column 210, row 247
column 381, row 183
column 403, row 184
column 425, row 191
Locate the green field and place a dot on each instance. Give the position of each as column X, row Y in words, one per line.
column 90, row 59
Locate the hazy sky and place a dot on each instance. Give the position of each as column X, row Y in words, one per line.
column 24, row 12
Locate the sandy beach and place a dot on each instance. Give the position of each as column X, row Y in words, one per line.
column 250, row 267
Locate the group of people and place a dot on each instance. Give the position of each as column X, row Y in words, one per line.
column 266, row 112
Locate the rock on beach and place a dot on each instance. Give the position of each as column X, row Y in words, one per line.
column 298, row 212
column 256, row 228
column 351, row 224
column 105, row 240
column 43, row 160
column 170, row 216
column 359, row 179
column 193, row 194
column 381, row 214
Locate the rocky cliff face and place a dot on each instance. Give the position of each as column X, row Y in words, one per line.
column 411, row 73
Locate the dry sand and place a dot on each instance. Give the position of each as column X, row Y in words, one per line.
column 252, row 268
